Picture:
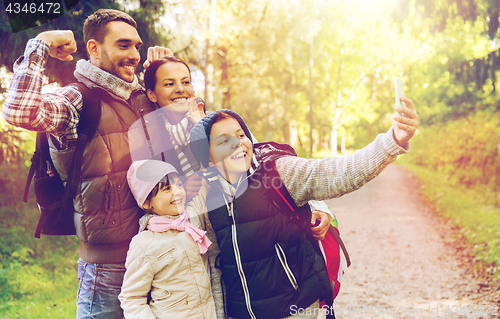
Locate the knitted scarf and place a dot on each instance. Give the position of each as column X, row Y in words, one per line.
column 161, row 224
column 92, row 76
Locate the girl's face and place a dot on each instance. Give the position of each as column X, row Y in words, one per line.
column 173, row 89
column 170, row 200
column 230, row 148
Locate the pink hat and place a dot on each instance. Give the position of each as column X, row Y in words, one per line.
column 142, row 177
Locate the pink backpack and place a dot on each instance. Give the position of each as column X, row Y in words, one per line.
column 330, row 247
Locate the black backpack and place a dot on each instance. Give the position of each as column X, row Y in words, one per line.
column 54, row 199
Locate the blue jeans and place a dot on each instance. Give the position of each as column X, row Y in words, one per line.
column 100, row 285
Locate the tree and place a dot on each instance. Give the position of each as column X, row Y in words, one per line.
column 13, row 44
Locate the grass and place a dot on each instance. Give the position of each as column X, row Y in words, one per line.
column 38, row 277
column 52, row 297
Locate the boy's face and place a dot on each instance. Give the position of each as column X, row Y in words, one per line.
column 170, row 200
column 230, row 148
column 173, row 88
column 119, row 52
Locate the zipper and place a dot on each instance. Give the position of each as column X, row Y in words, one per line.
column 166, row 252
column 286, row 268
column 176, row 303
column 146, row 133
column 108, row 194
column 165, row 295
column 49, row 171
column 237, row 254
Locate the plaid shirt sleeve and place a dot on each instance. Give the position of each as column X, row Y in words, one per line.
column 25, row 105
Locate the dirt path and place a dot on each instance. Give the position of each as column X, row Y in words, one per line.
column 404, row 264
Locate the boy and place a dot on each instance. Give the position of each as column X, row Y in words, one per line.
column 268, row 263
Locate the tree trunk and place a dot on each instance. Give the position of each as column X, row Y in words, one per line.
column 373, row 90
column 338, row 111
column 224, row 79
column 310, row 99
column 333, row 140
column 209, row 57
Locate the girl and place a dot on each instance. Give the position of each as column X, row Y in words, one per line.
column 164, row 259
column 269, row 266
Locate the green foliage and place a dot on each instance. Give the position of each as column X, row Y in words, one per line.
column 13, row 44
column 37, row 276
column 16, row 147
column 466, row 150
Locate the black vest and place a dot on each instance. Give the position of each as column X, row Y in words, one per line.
column 268, row 261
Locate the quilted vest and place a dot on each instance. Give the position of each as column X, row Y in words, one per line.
column 106, row 213
column 268, row 262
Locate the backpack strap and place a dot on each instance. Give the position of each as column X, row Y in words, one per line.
column 87, row 127
column 269, row 152
column 284, row 201
column 282, row 198
column 41, row 140
column 336, row 234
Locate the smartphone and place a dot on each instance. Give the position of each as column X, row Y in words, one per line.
column 398, row 88
column 200, row 100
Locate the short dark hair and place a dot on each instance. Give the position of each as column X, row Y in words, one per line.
column 95, row 25
column 150, row 74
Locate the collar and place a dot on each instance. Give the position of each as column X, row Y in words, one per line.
column 215, row 178
column 92, row 76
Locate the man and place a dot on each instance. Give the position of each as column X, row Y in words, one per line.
column 106, row 215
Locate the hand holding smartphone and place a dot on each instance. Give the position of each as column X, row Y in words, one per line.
column 398, row 88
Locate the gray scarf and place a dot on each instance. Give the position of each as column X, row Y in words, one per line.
column 92, row 76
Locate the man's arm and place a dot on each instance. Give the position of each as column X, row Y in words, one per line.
column 26, row 107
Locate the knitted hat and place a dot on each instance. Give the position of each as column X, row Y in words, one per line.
column 200, row 133
column 142, row 177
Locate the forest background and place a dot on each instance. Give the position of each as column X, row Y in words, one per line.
column 318, row 74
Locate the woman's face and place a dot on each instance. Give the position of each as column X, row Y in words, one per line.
column 230, row 149
column 173, row 89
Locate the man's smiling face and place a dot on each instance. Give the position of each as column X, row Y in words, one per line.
column 119, row 52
